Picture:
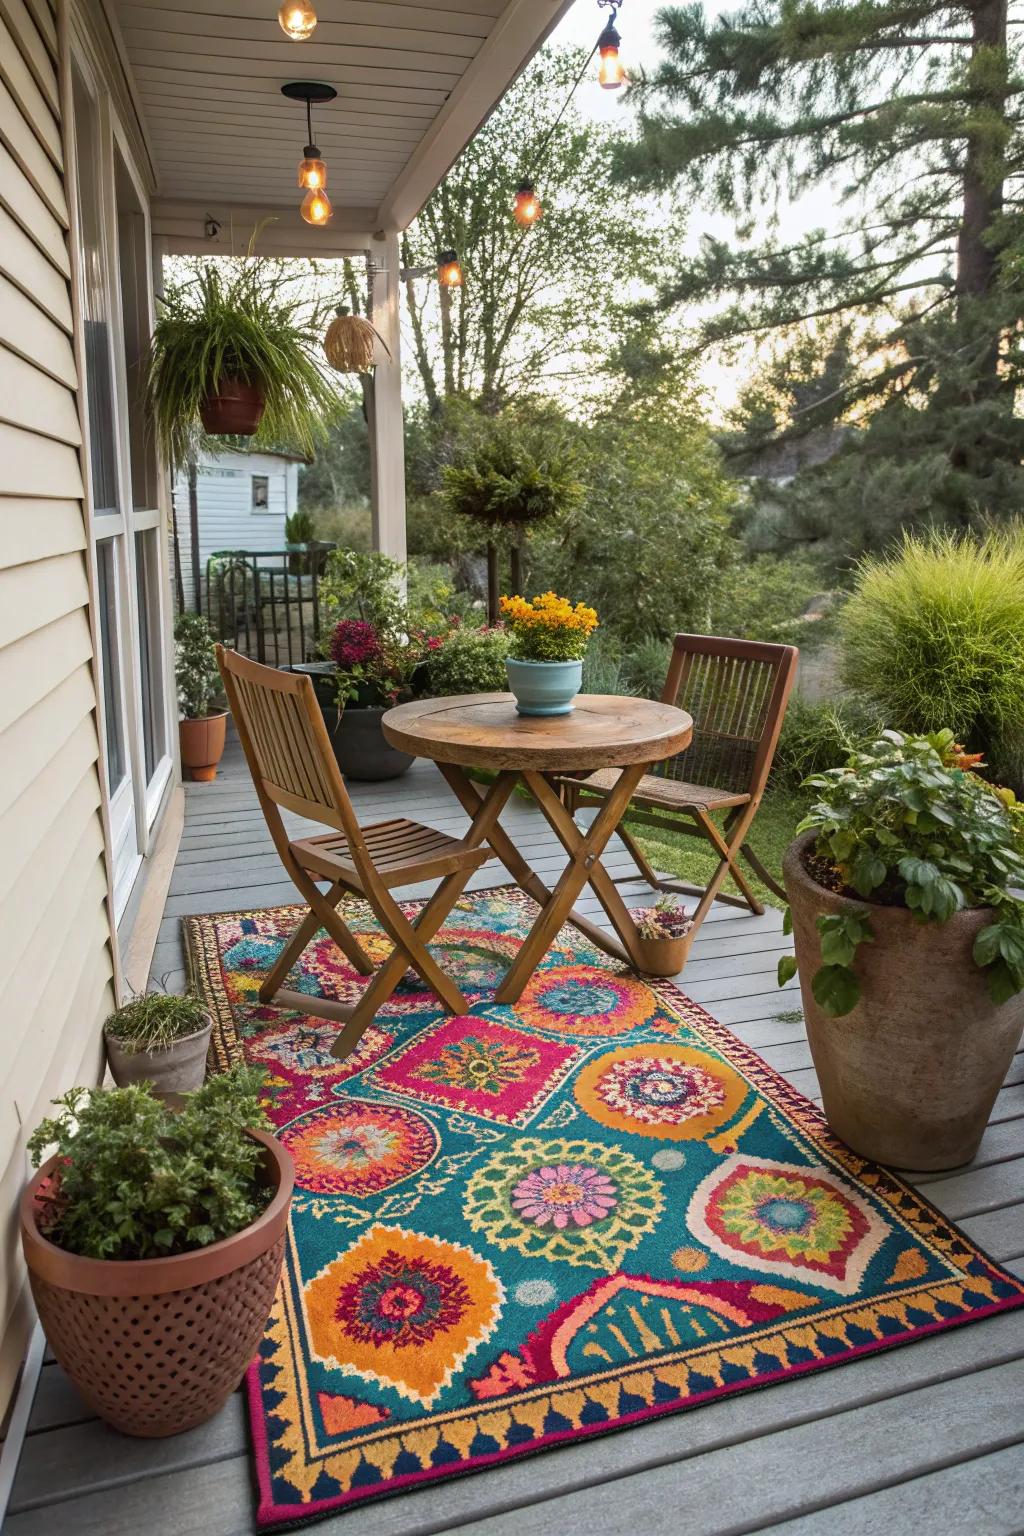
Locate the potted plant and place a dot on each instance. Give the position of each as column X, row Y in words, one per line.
column 202, row 728
column 664, row 936
column 548, row 642
column 910, row 947
column 160, row 1039
column 470, row 659
column 154, row 1241
column 236, row 353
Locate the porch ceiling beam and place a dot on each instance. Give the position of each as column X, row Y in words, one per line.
column 181, row 229
column 519, row 32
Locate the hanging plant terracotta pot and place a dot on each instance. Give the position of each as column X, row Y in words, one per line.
column 349, row 343
column 236, row 409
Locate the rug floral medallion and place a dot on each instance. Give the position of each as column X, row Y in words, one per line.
column 534, row 1224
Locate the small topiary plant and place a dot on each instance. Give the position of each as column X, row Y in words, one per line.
column 195, row 666
column 903, row 825
column 154, row 1021
column 137, row 1180
column 469, row 661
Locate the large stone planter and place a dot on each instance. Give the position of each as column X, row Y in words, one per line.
column 180, row 1068
column 909, row 1076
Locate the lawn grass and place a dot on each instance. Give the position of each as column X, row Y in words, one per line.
column 695, row 862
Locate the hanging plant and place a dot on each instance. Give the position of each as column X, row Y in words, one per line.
column 349, row 342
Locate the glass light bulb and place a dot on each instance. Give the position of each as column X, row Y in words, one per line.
column 612, row 72
column 449, row 272
column 316, row 207
column 526, row 209
column 297, row 19
column 312, row 173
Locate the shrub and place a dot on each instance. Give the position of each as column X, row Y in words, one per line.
column 902, row 825
column 138, row 1180
column 763, row 596
column 195, row 666
column 645, row 665
column 935, row 632
column 154, row 1021
column 604, row 666
column 816, row 737
column 469, row 661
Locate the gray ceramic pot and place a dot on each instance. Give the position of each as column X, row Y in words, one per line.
column 360, row 746
column 179, row 1069
column 910, row 1075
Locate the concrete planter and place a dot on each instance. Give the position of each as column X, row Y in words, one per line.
column 544, row 687
column 909, row 1076
column 180, row 1068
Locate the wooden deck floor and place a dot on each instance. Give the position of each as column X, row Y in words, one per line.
column 926, row 1438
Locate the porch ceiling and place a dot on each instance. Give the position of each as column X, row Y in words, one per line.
column 414, row 82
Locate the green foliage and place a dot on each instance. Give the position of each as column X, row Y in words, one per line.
column 138, row 1180
column 904, row 826
column 815, row 737
column 645, row 666
column 195, row 666
column 154, row 1021
column 763, row 597
column 514, row 474
column 240, row 320
column 935, row 631
column 300, row 527
column 604, row 667
column 364, row 585
column 471, row 660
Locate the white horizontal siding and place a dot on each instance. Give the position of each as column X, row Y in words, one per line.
column 226, row 516
column 55, row 959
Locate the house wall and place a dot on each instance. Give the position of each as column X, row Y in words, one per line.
column 227, row 519
column 56, row 959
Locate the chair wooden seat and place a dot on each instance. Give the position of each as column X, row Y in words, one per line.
column 662, row 792
column 400, row 852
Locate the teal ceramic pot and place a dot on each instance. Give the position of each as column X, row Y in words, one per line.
column 544, row 687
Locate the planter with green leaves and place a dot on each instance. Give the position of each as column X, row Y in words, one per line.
column 548, row 642
column 236, row 353
column 154, row 1241
column 160, row 1039
column 202, row 729
column 910, row 947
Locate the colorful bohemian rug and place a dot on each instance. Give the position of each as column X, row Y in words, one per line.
column 531, row 1225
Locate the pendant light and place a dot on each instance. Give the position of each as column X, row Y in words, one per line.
column 611, row 72
column 526, row 209
column 297, row 19
column 449, row 270
column 312, row 174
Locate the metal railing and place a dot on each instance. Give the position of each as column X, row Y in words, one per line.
column 265, row 603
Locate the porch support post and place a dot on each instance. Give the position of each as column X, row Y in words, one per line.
column 387, row 445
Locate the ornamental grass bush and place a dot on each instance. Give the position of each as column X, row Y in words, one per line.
column 935, row 632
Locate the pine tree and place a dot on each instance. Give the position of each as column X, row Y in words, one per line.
column 913, row 109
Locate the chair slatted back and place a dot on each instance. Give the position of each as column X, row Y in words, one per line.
column 736, row 693
column 286, row 743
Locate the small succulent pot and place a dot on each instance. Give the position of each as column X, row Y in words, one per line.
column 662, row 957
column 178, row 1068
column 202, row 745
column 157, row 1346
column 544, row 687
column 234, row 409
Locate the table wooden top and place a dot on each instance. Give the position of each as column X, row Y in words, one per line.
column 483, row 730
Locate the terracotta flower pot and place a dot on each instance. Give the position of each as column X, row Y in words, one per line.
column 663, row 957
column 180, row 1068
column 909, row 1076
column 157, row 1346
column 202, row 745
column 234, row 410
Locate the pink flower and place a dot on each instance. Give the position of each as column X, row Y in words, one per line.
column 354, row 643
column 568, row 1192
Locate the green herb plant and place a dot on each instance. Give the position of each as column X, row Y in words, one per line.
column 903, row 825
column 154, row 1021
column 243, row 320
column 470, row 660
column 195, row 666
column 137, row 1180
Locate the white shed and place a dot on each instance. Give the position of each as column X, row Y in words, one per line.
column 243, row 500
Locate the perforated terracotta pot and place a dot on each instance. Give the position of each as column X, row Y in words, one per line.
column 157, row 1346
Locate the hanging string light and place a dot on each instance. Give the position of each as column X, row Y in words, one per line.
column 611, row 73
column 449, row 269
column 312, row 174
column 297, row 19
column 526, row 209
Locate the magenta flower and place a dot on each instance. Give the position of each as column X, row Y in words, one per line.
column 355, row 643
column 567, row 1193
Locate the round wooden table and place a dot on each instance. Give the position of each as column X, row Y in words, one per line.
column 483, row 730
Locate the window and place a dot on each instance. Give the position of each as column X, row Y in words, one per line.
column 261, row 493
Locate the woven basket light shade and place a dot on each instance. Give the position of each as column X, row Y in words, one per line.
column 349, row 343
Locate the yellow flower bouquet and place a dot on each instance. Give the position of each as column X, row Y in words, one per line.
column 548, row 642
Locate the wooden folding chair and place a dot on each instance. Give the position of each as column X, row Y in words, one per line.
column 736, row 691
column 293, row 768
